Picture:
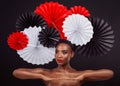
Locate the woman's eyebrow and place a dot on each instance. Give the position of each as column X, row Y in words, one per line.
column 61, row 50
column 65, row 50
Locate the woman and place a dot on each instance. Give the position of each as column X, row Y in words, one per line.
column 64, row 74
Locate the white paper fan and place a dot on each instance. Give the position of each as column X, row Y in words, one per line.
column 78, row 29
column 35, row 52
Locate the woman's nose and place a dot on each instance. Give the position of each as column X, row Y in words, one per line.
column 59, row 56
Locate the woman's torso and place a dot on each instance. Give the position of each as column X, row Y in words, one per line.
column 57, row 78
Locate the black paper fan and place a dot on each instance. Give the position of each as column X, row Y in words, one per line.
column 102, row 41
column 29, row 19
column 48, row 37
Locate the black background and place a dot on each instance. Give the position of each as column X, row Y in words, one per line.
column 109, row 10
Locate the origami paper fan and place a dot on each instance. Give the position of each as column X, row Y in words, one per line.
column 17, row 40
column 32, row 34
column 36, row 53
column 49, row 37
column 29, row 19
column 78, row 29
column 102, row 41
column 54, row 14
column 79, row 10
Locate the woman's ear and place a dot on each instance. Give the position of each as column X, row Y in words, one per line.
column 72, row 55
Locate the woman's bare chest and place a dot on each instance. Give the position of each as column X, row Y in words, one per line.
column 63, row 79
column 64, row 75
column 63, row 82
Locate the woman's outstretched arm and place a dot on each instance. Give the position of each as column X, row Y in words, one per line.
column 25, row 73
column 98, row 75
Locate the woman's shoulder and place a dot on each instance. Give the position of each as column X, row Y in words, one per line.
column 42, row 69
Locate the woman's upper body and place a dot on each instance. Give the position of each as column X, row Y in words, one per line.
column 58, row 77
column 64, row 74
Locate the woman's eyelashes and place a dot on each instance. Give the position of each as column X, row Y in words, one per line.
column 63, row 51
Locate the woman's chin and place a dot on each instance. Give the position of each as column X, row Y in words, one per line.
column 60, row 63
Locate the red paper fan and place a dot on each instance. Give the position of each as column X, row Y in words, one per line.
column 17, row 40
column 79, row 10
column 54, row 14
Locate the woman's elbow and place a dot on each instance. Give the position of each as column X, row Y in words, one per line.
column 109, row 73
column 17, row 73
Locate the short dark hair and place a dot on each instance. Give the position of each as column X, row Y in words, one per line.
column 72, row 46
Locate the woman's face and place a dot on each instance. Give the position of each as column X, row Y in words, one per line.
column 63, row 54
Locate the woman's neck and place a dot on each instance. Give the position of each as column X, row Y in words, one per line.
column 64, row 68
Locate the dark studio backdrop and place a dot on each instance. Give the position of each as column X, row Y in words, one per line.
column 109, row 10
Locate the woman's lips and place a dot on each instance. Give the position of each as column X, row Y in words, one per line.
column 59, row 60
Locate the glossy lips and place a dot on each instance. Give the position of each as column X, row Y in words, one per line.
column 59, row 60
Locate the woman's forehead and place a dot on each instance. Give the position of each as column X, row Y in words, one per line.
column 63, row 46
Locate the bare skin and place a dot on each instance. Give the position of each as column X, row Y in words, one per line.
column 64, row 74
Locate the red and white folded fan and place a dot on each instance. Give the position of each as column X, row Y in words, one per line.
column 35, row 52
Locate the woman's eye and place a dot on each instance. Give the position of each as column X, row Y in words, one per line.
column 56, row 51
column 64, row 52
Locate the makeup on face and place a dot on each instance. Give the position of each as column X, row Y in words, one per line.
column 62, row 53
column 59, row 60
